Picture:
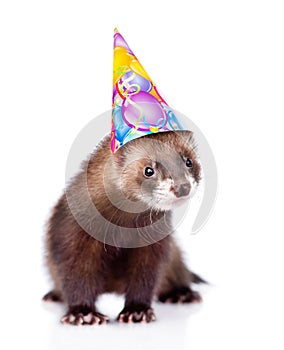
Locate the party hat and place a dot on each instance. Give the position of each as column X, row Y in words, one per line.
column 137, row 107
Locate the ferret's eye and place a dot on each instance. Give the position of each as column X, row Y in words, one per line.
column 149, row 171
column 188, row 163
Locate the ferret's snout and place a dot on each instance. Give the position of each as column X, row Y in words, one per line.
column 182, row 190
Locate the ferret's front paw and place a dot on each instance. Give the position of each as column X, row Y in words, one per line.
column 84, row 316
column 136, row 315
column 180, row 295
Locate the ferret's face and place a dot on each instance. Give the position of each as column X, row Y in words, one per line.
column 160, row 170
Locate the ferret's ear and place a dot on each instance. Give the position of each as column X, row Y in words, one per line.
column 186, row 135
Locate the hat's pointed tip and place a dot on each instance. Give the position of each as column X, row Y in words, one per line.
column 115, row 30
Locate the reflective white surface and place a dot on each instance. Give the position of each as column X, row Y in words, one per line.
column 221, row 63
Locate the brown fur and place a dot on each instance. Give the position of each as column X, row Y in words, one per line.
column 83, row 267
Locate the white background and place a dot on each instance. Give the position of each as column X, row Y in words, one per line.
column 221, row 63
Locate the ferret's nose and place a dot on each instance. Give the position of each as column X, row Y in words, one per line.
column 182, row 189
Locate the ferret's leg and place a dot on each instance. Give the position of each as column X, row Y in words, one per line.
column 180, row 295
column 53, row 295
column 79, row 269
column 175, row 285
column 80, row 291
column 143, row 273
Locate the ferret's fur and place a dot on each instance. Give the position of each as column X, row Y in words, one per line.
column 111, row 229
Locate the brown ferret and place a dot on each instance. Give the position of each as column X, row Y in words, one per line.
column 111, row 229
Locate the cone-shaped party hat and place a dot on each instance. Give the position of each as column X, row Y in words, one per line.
column 137, row 107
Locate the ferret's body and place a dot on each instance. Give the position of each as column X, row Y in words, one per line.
column 111, row 230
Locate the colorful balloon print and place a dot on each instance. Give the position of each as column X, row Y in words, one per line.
column 134, row 82
column 143, row 112
column 138, row 109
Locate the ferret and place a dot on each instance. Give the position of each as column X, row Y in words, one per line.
column 111, row 230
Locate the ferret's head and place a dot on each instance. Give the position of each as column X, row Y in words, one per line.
column 160, row 170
